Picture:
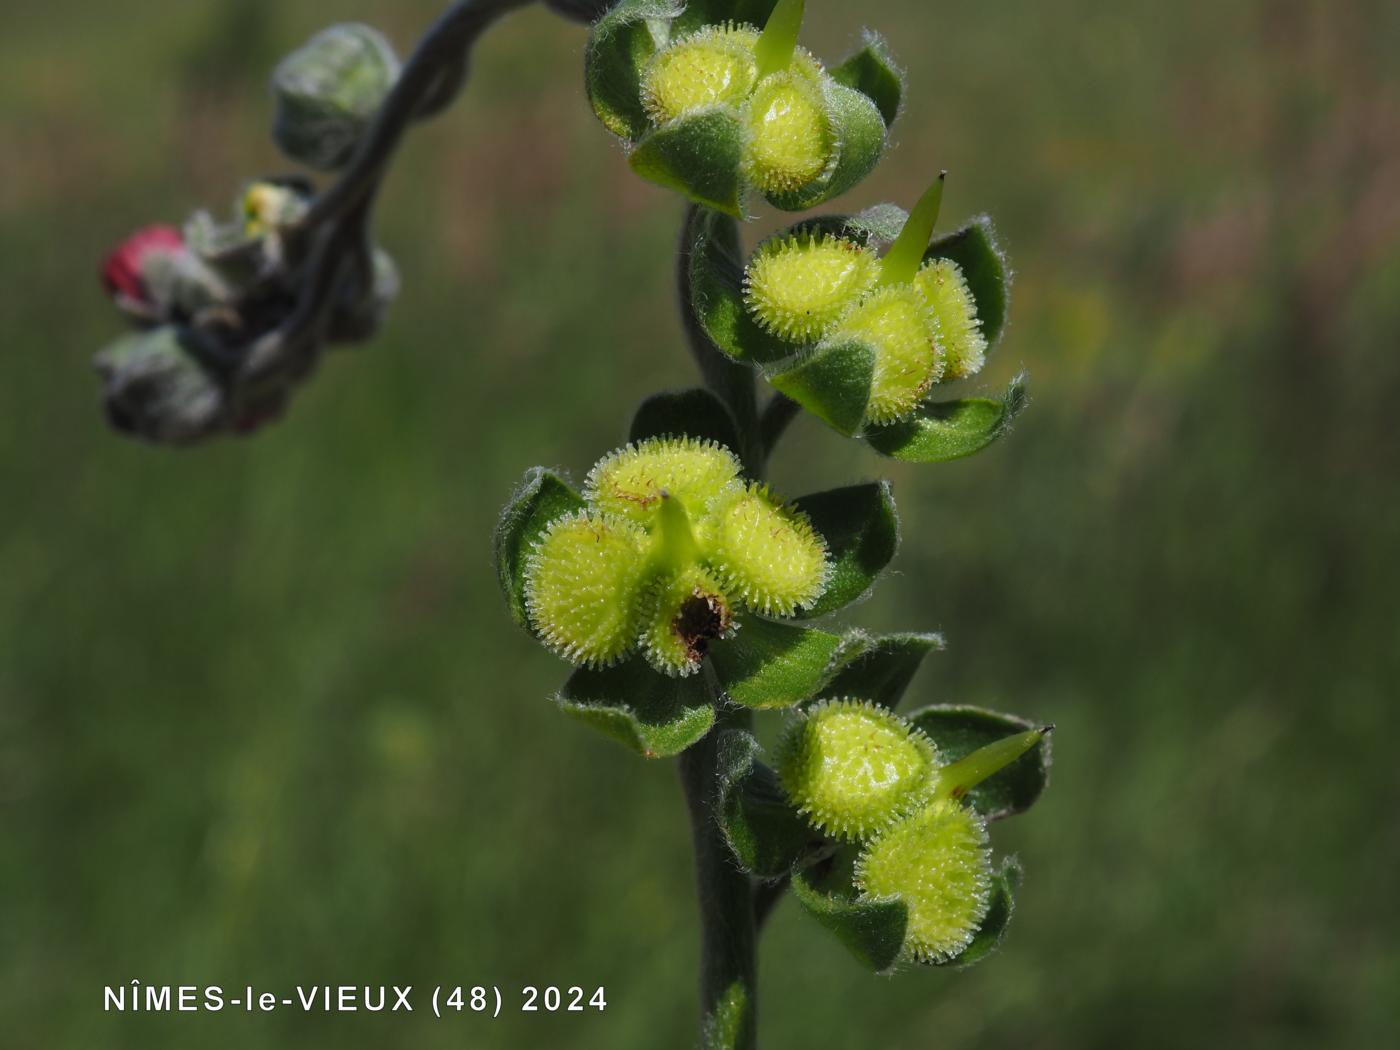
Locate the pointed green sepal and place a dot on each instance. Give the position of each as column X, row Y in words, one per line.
column 715, row 272
column 958, row 778
column 769, row 664
column 693, row 413
column 620, row 45
column 944, row 430
column 778, row 40
column 958, row 731
column 697, row 155
column 861, row 529
column 906, row 254
column 881, row 670
column 1002, row 905
column 873, row 930
column 832, row 382
column 872, row 72
column 974, row 248
column 860, row 134
column 540, row 498
column 767, row 835
column 652, row 714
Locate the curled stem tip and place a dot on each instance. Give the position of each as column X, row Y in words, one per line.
column 902, row 261
column 779, row 38
column 956, row 780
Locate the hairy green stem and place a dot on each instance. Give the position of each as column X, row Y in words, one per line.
column 728, row 948
column 730, row 381
column 726, row 894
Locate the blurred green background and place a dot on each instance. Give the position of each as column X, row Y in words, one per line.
column 263, row 717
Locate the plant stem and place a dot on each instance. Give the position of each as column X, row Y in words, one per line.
column 728, row 926
column 440, row 54
column 728, row 948
column 728, row 380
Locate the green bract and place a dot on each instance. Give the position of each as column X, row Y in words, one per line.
column 714, row 98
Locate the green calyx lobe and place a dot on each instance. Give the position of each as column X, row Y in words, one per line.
column 876, row 930
column 542, row 497
column 675, row 547
column 963, row 732
column 778, row 40
column 880, row 667
column 649, row 714
column 767, row 836
column 940, row 431
column 901, row 262
column 873, row 73
column 957, row 779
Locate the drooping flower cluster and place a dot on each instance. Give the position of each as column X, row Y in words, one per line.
column 204, row 298
column 859, row 772
column 200, row 297
column 671, row 544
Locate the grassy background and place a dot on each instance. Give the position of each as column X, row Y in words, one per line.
column 263, row 717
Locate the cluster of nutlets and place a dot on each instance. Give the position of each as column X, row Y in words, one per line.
column 717, row 106
column 919, row 318
column 790, row 140
column 860, row 773
column 671, row 544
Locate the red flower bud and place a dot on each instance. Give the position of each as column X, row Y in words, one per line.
column 122, row 271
